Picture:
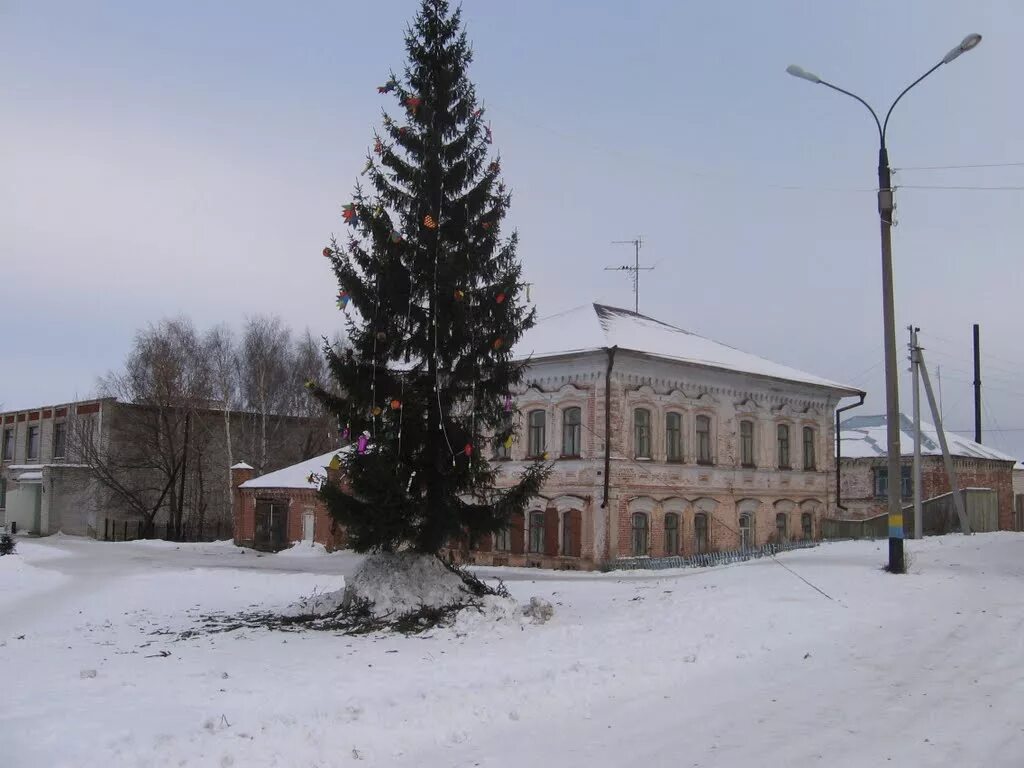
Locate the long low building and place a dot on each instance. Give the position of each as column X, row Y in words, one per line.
column 864, row 472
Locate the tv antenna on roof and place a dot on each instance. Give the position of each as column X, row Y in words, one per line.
column 636, row 269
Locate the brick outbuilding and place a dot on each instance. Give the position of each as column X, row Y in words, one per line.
column 279, row 508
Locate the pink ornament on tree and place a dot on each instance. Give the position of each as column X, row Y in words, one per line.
column 364, row 440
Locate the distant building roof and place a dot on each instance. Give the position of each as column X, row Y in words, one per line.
column 240, row 465
column 597, row 326
column 297, row 475
column 864, row 437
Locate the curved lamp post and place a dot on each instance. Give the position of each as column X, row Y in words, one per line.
column 885, row 209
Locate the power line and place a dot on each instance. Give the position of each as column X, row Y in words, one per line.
column 961, row 188
column 956, row 167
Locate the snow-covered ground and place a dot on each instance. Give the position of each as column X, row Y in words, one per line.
column 734, row 666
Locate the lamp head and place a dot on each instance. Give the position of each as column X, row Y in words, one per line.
column 802, row 73
column 969, row 42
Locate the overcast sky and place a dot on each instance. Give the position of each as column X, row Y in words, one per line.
column 192, row 157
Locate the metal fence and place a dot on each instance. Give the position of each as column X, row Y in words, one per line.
column 133, row 530
column 703, row 560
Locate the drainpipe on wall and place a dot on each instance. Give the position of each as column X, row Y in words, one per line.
column 608, row 424
column 839, row 449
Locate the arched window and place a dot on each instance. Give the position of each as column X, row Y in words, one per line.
column 671, row 534
column 700, row 533
column 571, row 431
column 703, row 425
column 673, row 437
column 783, row 439
column 537, row 439
column 572, row 523
column 746, row 531
column 807, row 526
column 642, row 433
column 640, row 534
column 809, row 463
column 537, row 532
column 781, row 528
column 747, row 443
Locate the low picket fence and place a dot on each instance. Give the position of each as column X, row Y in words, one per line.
column 704, row 560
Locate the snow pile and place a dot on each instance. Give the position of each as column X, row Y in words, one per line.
column 539, row 610
column 490, row 611
column 304, row 549
column 396, row 584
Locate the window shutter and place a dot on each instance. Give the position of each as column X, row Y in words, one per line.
column 550, row 531
column 576, row 531
column 517, row 533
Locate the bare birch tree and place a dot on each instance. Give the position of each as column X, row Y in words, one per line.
column 265, row 374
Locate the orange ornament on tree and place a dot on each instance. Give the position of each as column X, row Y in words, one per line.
column 396, row 404
column 498, row 343
column 429, row 222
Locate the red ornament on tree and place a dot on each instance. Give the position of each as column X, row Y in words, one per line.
column 396, row 404
column 500, row 298
column 498, row 343
column 412, row 103
column 468, row 450
column 378, row 147
column 327, row 253
column 348, row 213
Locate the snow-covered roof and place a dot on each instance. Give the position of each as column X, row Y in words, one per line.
column 1019, row 466
column 864, row 437
column 295, row 476
column 240, row 465
column 592, row 327
column 30, row 477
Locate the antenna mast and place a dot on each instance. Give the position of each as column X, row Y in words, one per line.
column 636, row 269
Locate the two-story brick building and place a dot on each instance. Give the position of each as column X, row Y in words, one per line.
column 664, row 443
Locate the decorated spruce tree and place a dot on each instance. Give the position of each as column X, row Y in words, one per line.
column 434, row 302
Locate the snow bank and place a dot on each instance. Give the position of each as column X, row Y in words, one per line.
column 403, row 582
column 304, row 549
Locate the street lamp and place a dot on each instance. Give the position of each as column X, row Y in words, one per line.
column 885, row 209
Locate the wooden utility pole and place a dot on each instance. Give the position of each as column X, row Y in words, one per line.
column 958, row 500
column 977, row 383
column 916, row 392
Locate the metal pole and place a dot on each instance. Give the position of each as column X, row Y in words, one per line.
column 897, row 564
column 918, row 512
column 958, row 501
column 636, row 279
column 977, row 383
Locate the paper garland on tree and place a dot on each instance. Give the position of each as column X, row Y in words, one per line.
column 343, row 299
column 348, row 213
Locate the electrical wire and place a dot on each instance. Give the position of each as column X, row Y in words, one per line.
column 956, row 167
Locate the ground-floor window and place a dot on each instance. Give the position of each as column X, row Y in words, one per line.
column 537, row 532
column 781, row 534
column 807, row 526
column 671, row 534
column 700, row 533
column 640, row 534
column 503, row 540
column 746, row 531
